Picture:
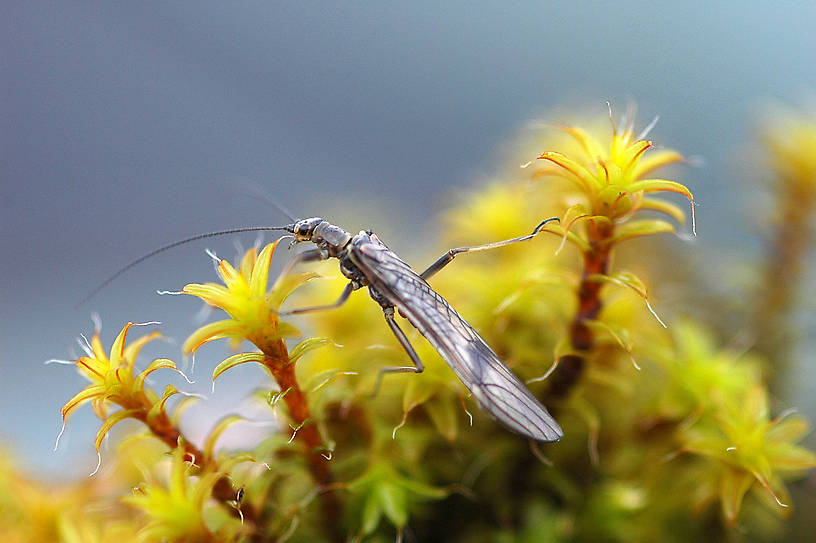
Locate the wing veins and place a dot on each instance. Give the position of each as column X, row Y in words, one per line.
column 457, row 342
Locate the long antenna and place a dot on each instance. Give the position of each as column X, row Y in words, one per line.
column 151, row 254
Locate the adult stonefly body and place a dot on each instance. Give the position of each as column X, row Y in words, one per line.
column 368, row 262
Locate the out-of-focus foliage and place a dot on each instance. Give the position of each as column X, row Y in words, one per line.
column 33, row 511
column 176, row 510
column 669, row 434
column 789, row 138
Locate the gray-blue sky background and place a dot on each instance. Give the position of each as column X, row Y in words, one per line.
column 124, row 125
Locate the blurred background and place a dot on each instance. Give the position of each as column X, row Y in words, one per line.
column 124, row 126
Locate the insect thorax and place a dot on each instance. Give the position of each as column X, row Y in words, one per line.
column 331, row 238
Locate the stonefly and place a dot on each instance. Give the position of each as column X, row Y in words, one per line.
column 368, row 262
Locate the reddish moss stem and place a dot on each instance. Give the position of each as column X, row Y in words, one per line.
column 596, row 262
column 277, row 360
column 776, row 298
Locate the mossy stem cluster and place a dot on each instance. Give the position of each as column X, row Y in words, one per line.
column 774, row 327
column 596, row 263
column 276, row 359
column 164, row 429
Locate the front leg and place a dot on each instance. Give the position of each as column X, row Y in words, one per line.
column 314, row 255
column 309, row 255
column 340, row 301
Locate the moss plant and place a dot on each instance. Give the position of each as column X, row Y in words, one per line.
column 610, row 181
column 790, row 143
column 668, row 435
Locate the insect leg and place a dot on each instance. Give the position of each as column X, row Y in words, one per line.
column 340, row 301
column 313, row 255
column 309, row 255
column 418, row 366
column 446, row 258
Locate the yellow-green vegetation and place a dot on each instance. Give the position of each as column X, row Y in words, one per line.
column 790, row 141
column 670, row 435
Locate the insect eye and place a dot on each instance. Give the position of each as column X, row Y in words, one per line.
column 303, row 230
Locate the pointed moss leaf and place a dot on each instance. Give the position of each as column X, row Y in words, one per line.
column 733, row 486
column 444, row 413
column 791, row 428
column 657, row 158
column 237, row 360
column 209, row 332
column 308, row 345
column 158, row 408
column 394, row 504
column 319, row 380
column 571, row 217
column 372, row 512
column 422, row 490
column 570, row 236
column 84, row 395
column 286, row 285
column 631, row 155
column 572, row 214
column 271, row 446
column 562, row 348
column 203, row 489
column 259, row 275
column 641, row 227
column 558, row 278
column 574, row 171
column 587, row 142
column 274, row 396
column 775, row 496
column 789, row 457
column 416, row 393
column 634, row 283
column 215, row 433
column 112, row 421
column 619, row 335
column 227, row 464
column 286, row 330
column 665, row 185
column 661, row 185
column 386, row 492
column 132, row 349
column 663, row 206
column 159, row 363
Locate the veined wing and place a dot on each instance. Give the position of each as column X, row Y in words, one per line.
column 497, row 389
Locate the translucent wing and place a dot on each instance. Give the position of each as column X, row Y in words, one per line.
column 492, row 383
